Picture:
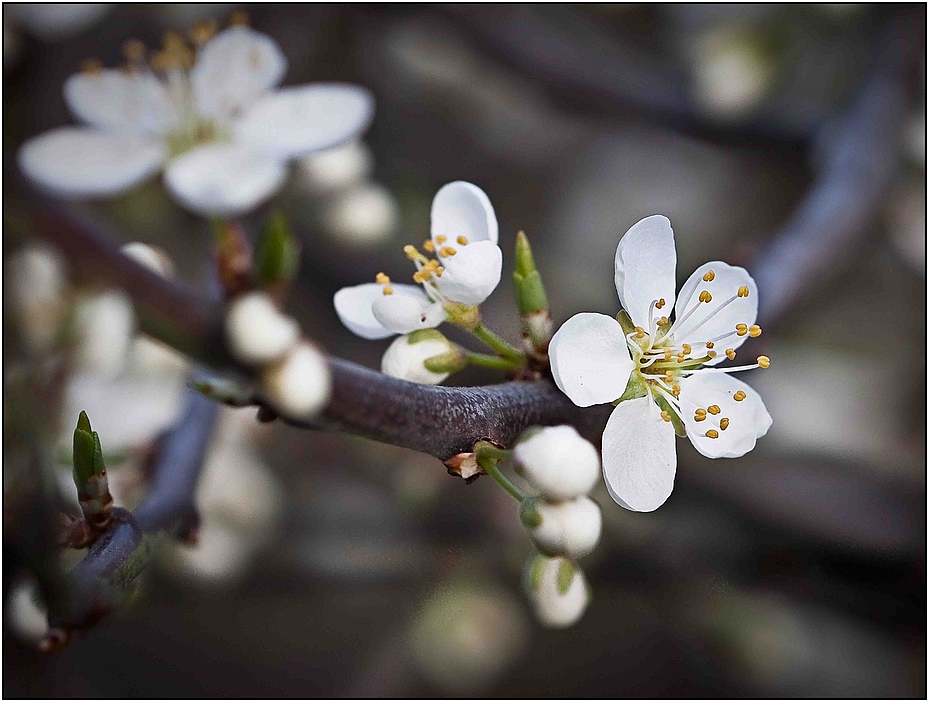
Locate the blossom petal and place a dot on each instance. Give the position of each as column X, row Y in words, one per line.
column 233, row 71
column 748, row 419
column 402, row 314
column 116, row 101
column 296, row 121
column 353, row 305
column 590, row 359
column 473, row 273
column 224, row 180
column 645, row 267
column 639, row 458
column 725, row 285
column 462, row 209
column 78, row 162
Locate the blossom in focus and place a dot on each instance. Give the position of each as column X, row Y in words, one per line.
column 465, row 270
column 557, row 461
column 663, row 375
column 214, row 121
column 425, row 357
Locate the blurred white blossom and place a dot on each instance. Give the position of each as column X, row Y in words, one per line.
column 299, row 385
column 362, row 214
column 54, row 21
column 257, row 331
column 557, row 590
column 334, row 169
column 733, row 72
column 26, row 613
column 103, row 326
column 35, row 287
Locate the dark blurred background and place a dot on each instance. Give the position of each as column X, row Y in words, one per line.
column 332, row 566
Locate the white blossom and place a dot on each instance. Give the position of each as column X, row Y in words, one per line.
column 362, row 214
column 299, row 385
column 555, row 606
column 570, row 528
column 669, row 368
column 466, row 270
column 151, row 257
column 35, row 287
column 258, row 333
column 333, row 169
column 405, row 357
column 558, row 462
column 104, row 326
column 220, row 129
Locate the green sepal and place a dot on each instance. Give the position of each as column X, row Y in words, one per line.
column 625, row 321
column 87, row 456
column 636, row 387
column 529, row 514
column 675, row 420
column 277, row 254
column 565, row 576
column 525, row 263
column 530, row 293
column 83, row 422
column 99, row 465
column 450, row 362
column 415, row 337
column 465, row 316
column 532, row 573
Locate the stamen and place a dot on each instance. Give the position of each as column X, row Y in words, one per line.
column 665, row 416
column 712, row 434
column 660, row 304
column 134, row 50
column 429, row 246
column 724, row 423
column 413, row 254
column 764, row 361
column 739, row 396
column 667, row 354
column 700, row 415
column 705, row 296
column 741, row 329
column 681, row 356
column 439, row 271
column 686, row 349
column 669, row 375
column 754, row 331
column 382, row 279
column 709, row 276
column 421, row 276
column 388, row 290
column 663, row 322
column 676, row 390
column 239, row 19
column 711, row 355
column 441, row 238
column 92, row 67
column 462, row 239
column 713, row 409
column 730, row 354
column 204, row 31
column 710, row 344
column 447, row 251
column 639, row 333
column 743, row 291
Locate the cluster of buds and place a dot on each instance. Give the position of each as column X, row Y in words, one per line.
column 563, row 522
column 424, row 356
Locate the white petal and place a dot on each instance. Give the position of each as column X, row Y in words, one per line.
column 472, row 274
column 353, row 305
column 403, row 314
column 726, row 283
column 296, row 121
column 224, row 180
column 76, row 162
column 462, row 209
column 748, row 419
column 298, row 386
column 645, row 267
column 233, row 71
column 639, row 458
column 590, row 359
column 114, row 100
column 558, row 462
column 257, row 331
column 406, row 361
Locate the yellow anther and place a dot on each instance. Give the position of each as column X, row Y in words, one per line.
column 439, row 271
column 163, row 61
column 462, row 239
column 669, row 376
column 441, row 238
column 754, row 331
column 710, row 344
column 743, row 291
column 660, row 304
column 730, row 354
column 639, row 333
column 741, row 329
column 413, row 254
column 712, row 434
column 667, row 354
column 421, row 276
column 382, row 279
column 700, row 412
column 429, row 246
column 663, row 322
column 713, row 409
column 711, row 354
column 708, row 276
column 172, row 41
column 681, row 356
column 705, row 296
column 675, row 389
column 724, row 423
column 764, row 361
column 739, row 396
column 239, row 18
column 447, row 251
column 665, row 416
column 204, row 31
column 92, row 67
column 699, row 417
column 134, row 50
column 686, row 348
column 388, row 290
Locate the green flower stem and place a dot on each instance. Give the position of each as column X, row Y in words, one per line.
column 488, row 361
column 487, row 457
column 497, row 344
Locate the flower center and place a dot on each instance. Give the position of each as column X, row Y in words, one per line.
column 428, row 270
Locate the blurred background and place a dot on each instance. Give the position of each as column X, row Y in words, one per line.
column 332, row 566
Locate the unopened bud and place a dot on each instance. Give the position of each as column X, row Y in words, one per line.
column 557, row 590
column 257, row 331
column 299, row 385
column 104, row 325
column 558, row 462
column 424, row 356
column 570, row 528
column 35, row 287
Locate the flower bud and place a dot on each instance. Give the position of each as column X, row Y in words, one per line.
column 35, row 287
column 557, row 590
column 151, row 257
column 570, row 528
column 104, row 325
column 407, row 357
column 299, row 385
column 557, row 461
column 257, row 331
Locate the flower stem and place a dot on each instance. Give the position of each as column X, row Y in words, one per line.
column 497, row 344
column 487, row 457
column 488, row 361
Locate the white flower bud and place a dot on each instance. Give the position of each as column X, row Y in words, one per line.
column 405, row 357
column 104, row 325
column 558, row 462
column 570, row 528
column 299, row 385
column 257, row 331
column 151, row 257
column 334, row 169
column 26, row 614
column 363, row 214
column 557, row 590
column 35, row 287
